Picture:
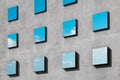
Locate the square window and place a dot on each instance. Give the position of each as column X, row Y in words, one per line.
column 69, row 60
column 39, row 64
column 70, row 28
column 12, row 68
column 12, row 40
column 100, row 21
column 12, row 13
column 67, row 2
column 39, row 6
column 40, row 34
column 100, row 56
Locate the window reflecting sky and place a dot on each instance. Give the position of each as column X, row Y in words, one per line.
column 100, row 21
column 66, row 2
column 69, row 28
column 12, row 13
column 39, row 34
column 68, row 60
column 100, row 56
column 39, row 64
column 11, row 68
column 12, row 40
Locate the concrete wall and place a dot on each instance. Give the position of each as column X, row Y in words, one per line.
column 56, row 44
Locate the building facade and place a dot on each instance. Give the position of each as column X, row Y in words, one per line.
column 59, row 39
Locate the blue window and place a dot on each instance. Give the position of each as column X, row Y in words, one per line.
column 67, row 2
column 12, row 67
column 39, row 64
column 100, row 56
column 100, row 21
column 39, row 6
column 69, row 60
column 13, row 13
column 40, row 34
column 12, row 40
column 70, row 28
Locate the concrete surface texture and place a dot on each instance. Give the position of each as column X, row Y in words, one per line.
column 56, row 45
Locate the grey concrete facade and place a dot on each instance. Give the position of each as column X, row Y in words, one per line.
column 54, row 47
